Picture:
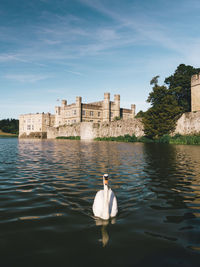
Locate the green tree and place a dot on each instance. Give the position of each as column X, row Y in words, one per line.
column 161, row 118
column 154, row 80
column 168, row 102
column 179, row 85
column 9, row 126
column 140, row 114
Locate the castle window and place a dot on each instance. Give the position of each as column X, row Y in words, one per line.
column 28, row 127
column 32, row 127
column 91, row 113
column 99, row 113
column 83, row 112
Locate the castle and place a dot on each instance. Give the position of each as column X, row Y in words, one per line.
column 79, row 114
column 96, row 112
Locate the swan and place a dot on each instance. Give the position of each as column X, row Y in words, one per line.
column 105, row 202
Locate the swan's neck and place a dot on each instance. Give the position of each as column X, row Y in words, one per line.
column 106, row 203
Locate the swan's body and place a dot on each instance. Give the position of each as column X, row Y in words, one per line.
column 105, row 203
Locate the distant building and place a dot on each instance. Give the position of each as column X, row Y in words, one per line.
column 35, row 123
column 195, row 92
column 102, row 111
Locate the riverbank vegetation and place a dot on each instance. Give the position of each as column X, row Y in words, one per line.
column 165, row 139
column 69, row 137
column 4, row 135
column 9, row 126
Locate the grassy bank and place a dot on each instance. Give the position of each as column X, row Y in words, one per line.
column 2, row 134
column 185, row 139
column 125, row 138
column 69, row 137
column 166, row 139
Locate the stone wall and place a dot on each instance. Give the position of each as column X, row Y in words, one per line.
column 34, row 135
column 66, row 130
column 89, row 130
column 188, row 124
column 120, row 127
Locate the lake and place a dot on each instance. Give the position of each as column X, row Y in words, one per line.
column 47, row 190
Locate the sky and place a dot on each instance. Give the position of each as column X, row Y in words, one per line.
column 59, row 49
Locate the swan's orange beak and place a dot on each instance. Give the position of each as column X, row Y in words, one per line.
column 105, row 182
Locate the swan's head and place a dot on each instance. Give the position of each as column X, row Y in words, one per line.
column 105, row 179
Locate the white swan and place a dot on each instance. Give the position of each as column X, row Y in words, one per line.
column 105, row 202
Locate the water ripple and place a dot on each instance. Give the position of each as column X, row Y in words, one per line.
column 48, row 185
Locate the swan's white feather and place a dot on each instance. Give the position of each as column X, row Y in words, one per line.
column 99, row 201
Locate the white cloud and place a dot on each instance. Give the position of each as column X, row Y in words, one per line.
column 26, row 78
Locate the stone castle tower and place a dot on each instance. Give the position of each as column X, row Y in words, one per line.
column 195, row 92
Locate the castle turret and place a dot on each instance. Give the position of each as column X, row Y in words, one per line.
column 106, row 107
column 57, row 116
column 117, row 106
column 64, row 103
column 78, row 108
column 195, row 92
column 133, row 110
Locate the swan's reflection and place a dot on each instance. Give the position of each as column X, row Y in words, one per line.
column 104, row 233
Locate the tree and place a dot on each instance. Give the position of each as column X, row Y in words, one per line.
column 168, row 102
column 161, row 118
column 179, row 85
column 140, row 114
column 9, row 126
column 154, row 80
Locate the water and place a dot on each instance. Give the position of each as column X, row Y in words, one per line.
column 47, row 190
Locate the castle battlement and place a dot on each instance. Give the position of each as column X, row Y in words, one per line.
column 68, row 114
column 195, row 79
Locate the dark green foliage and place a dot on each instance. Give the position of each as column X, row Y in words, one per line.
column 185, row 139
column 165, row 139
column 117, row 118
column 9, row 126
column 168, row 103
column 161, row 118
column 154, row 80
column 69, row 137
column 145, row 139
column 140, row 114
column 125, row 138
column 180, row 85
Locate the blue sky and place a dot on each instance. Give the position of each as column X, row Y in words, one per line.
column 59, row 49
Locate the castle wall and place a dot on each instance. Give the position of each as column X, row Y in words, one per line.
column 195, row 92
column 66, row 130
column 120, row 127
column 188, row 124
column 89, row 130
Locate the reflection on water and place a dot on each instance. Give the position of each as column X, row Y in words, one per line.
column 47, row 190
column 104, row 233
